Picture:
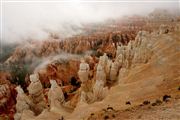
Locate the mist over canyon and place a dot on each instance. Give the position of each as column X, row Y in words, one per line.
column 87, row 60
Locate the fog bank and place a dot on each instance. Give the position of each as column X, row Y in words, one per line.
column 23, row 21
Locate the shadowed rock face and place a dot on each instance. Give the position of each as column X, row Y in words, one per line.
column 7, row 95
column 63, row 73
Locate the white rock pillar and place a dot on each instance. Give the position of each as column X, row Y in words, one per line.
column 23, row 103
column 83, row 72
column 103, row 60
column 36, row 93
column 55, row 96
column 99, row 90
column 114, row 71
column 100, row 74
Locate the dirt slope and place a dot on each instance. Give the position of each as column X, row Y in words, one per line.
column 143, row 82
column 160, row 76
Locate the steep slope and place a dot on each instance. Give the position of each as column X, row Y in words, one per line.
column 142, row 84
column 148, row 81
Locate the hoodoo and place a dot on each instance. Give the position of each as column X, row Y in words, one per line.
column 93, row 66
column 35, row 90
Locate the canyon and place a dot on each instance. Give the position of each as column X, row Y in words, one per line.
column 117, row 70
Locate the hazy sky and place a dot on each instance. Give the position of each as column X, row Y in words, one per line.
column 25, row 19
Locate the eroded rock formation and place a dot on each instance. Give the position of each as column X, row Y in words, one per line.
column 7, row 95
column 83, row 72
column 127, row 56
column 23, row 103
column 55, row 97
column 123, row 58
column 35, row 90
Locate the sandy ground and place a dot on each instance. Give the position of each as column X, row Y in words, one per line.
column 169, row 110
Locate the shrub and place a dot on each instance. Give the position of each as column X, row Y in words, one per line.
column 157, row 102
column 110, row 108
column 106, row 117
column 166, row 98
column 146, row 102
column 19, row 73
column 128, row 103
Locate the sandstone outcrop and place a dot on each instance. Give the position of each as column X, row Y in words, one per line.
column 133, row 59
column 152, row 68
column 55, row 96
column 7, row 95
column 83, row 72
column 23, row 103
column 100, row 74
column 35, row 90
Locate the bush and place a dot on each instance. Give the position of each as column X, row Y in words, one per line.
column 128, row 103
column 19, row 73
column 7, row 50
column 146, row 102
column 166, row 98
column 106, row 117
column 157, row 102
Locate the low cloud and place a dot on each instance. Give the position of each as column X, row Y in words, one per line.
column 24, row 21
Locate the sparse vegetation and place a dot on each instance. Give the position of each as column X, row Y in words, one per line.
column 166, row 98
column 110, row 108
column 128, row 103
column 6, row 51
column 157, row 102
column 19, row 73
column 106, row 117
column 146, row 102
column 92, row 114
